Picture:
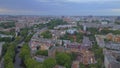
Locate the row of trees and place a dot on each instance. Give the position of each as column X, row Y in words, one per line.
column 8, row 50
column 4, row 48
column 9, row 55
column 24, row 32
column 27, row 39
column 27, row 59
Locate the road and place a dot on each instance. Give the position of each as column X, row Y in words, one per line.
column 17, row 58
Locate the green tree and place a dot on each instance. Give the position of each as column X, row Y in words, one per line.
column 27, row 39
column 117, row 22
column 28, row 61
column 9, row 55
column 10, row 65
column 49, row 63
column 4, row 48
column 25, row 51
column 24, row 32
column 82, row 65
column 42, row 52
column 79, row 37
column 8, row 24
column 31, row 63
column 73, row 56
column 63, row 59
column 98, row 55
column 47, row 34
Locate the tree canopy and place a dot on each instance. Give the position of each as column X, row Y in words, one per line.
column 49, row 63
column 42, row 52
column 46, row 34
column 63, row 59
column 8, row 24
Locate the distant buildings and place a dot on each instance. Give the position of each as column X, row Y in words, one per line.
column 64, row 26
column 84, row 28
column 104, row 22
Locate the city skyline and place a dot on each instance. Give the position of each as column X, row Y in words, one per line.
column 62, row 7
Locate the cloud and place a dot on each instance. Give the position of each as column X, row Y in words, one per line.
column 78, row 1
column 115, row 10
column 4, row 10
column 17, row 11
column 110, row 11
column 61, row 7
column 90, row 0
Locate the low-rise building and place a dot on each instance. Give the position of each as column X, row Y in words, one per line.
column 114, row 38
column 53, row 50
column 75, row 64
column 71, row 31
column 110, row 59
column 114, row 46
column 87, row 57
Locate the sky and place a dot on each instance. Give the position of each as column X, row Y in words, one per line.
column 60, row 7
